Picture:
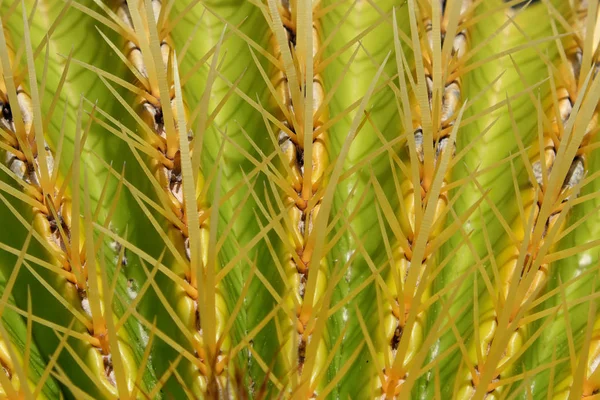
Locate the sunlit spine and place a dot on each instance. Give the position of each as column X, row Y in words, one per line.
column 53, row 221
column 304, row 207
column 448, row 106
column 168, row 173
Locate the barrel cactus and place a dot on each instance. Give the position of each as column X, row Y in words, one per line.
column 333, row 199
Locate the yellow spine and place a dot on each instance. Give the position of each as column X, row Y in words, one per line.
column 304, row 208
column 443, row 115
column 168, row 174
column 532, row 275
column 53, row 220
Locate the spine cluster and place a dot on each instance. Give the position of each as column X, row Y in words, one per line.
column 439, row 117
column 32, row 165
column 163, row 136
column 304, row 205
column 567, row 94
column 547, row 199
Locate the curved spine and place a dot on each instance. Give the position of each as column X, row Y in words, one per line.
column 161, row 116
column 80, row 282
column 307, row 186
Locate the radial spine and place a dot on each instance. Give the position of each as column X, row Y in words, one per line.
column 53, row 220
column 543, row 202
column 168, row 173
column 304, row 207
column 443, row 115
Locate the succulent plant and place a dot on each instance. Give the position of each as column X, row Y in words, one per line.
column 345, row 199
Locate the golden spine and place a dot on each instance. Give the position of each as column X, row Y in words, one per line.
column 543, row 204
column 168, row 173
column 53, row 221
column 304, row 207
column 444, row 115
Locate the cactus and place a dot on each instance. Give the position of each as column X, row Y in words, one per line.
column 325, row 199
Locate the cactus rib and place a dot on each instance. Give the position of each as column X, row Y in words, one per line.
column 162, row 115
column 432, row 120
column 546, row 201
column 304, row 146
column 54, row 221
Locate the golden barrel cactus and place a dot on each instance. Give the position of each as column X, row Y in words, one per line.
column 331, row 199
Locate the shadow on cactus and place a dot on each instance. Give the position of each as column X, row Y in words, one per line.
column 336, row 199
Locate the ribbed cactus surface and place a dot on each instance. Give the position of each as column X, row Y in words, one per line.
column 331, row 199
